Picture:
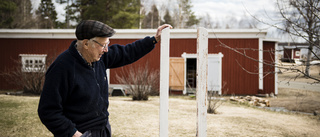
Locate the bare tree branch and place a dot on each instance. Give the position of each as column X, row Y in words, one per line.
column 139, row 81
column 271, row 64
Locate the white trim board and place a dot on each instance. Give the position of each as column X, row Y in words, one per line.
column 132, row 33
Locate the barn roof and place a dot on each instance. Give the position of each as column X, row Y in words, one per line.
column 132, row 33
column 287, row 45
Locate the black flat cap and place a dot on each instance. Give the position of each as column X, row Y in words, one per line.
column 88, row 29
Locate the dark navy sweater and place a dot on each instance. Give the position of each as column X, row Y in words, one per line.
column 75, row 95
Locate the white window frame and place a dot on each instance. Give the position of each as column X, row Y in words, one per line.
column 33, row 62
column 297, row 53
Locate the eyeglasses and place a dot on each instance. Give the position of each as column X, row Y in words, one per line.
column 104, row 47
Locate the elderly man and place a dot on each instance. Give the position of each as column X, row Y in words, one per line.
column 74, row 99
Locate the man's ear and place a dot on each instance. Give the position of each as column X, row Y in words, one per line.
column 85, row 43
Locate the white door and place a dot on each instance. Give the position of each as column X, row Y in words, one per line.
column 215, row 72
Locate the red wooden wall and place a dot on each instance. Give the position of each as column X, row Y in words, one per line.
column 294, row 53
column 11, row 48
column 153, row 60
column 268, row 67
column 235, row 67
column 287, row 53
column 238, row 81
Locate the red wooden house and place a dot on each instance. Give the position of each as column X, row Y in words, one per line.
column 292, row 52
column 238, row 62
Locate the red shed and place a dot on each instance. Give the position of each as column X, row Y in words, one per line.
column 238, row 62
column 292, row 52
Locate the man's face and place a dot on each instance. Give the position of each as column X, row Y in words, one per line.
column 97, row 47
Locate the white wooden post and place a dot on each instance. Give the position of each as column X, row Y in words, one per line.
column 164, row 82
column 202, row 66
column 276, row 70
column 260, row 63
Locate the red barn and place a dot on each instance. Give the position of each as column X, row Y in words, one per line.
column 238, row 60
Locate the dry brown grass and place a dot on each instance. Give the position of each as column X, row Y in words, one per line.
column 131, row 119
column 18, row 117
column 292, row 75
column 297, row 100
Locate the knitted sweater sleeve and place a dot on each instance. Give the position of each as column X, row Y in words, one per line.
column 119, row 55
column 53, row 96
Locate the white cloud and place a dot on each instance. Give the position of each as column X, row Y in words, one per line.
column 228, row 8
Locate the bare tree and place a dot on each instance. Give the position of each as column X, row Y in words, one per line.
column 167, row 18
column 299, row 18
column 231, row 22
column 30, row 81
column 186, row 17
column 214, row 102
column 272, row 63
column 23, row 16
column 151, row 20
column 140, row 81
column 142, row 12
column 247, row 23
column 206, row 22
column 16, row 14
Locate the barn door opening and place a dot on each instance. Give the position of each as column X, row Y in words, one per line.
column 214, row 73
column 191, row 76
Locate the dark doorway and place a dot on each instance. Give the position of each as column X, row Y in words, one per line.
column 191, row 73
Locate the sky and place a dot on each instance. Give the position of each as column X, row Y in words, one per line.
column 237, row 8
column 222, row 10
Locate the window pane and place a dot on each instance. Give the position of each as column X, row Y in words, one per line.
column 32, row 62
